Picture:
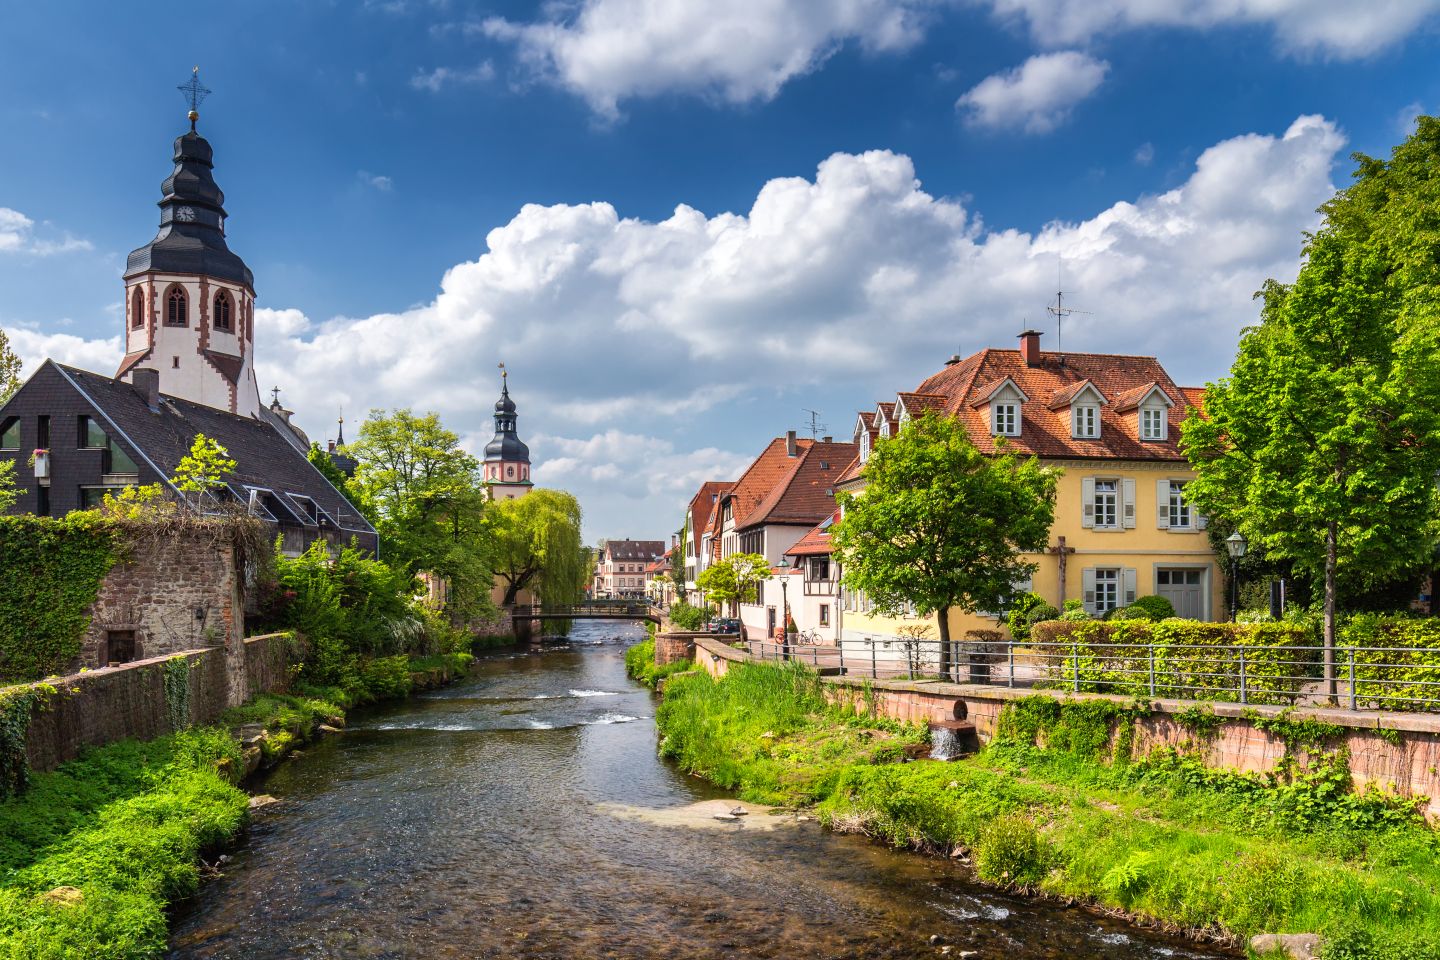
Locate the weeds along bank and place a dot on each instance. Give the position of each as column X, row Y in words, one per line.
column 640, row 663
column 1057, row 805
column 93, row 853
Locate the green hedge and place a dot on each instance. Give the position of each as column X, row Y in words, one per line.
column 1191, row 660
column 50, row 574
column 1404, row 679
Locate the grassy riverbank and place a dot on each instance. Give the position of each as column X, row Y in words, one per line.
column 640, row 664
column 93, row 853
column 1160, row 838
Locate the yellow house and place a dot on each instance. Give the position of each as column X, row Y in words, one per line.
column 1123, row 527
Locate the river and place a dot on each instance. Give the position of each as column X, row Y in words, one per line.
column 523, row 813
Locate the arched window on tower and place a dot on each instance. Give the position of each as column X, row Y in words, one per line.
column 176, row 307
column 137, row 309
column 224, row 309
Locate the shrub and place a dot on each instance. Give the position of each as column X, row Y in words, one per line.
column 1018, row 617
column 385, row 678
column 1149, row 607
column 1011, row 851
column 640, row 664
column 1075, row 611
column 688, row 617
column 1404, row 678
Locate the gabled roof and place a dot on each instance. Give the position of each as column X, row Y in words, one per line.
column 760, row 478
column 264, row 458
column 1045, row 432
column 817, row 542
column 917, row 404
column 1194, row 396
column 703, row 505
column 986, row 393
column 1066, row 396
column 1128, row 400
column 631, row 550
column 851, row 472
column 866, row 423
column 806, row 493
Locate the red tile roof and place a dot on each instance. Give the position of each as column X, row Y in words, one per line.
column 767, row 470
column 805, row 495
column 921, row 403
column 1195, row 397
column 703, row 505
column 817, row 541
column 1046, row 432
column 851, row 472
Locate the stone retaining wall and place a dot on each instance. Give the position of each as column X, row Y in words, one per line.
column 97, row 707
column 675, row 646
column 1411, row 768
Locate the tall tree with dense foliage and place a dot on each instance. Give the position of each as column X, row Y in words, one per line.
column 321, row 461
column 533, row 543
column 1324, row 443
column 422, row 489
column 941, row 525
column 9, row 369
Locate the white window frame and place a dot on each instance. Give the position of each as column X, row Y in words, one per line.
column 1085, row 421
column 1005, row 418
column 1107, row 580
column 1182, row 514
column 864, row 445
column 1113, row 494
column 1153, row 423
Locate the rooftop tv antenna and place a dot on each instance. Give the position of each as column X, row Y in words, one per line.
column 815, row 425
column 1059, row 311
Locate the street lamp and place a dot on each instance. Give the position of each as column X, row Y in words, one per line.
column 784, row 568
column 1235, row 544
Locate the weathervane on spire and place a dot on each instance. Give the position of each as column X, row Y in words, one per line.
column 194, row 93
column 504, row 374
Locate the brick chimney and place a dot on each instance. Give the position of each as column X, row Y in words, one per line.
column 790, row 448
column 1030, row 347
column 146, row 382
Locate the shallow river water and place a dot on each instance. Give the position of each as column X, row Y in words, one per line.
column 523, row 813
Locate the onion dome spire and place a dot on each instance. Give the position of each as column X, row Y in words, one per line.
column 506, row 447
column 192, row 213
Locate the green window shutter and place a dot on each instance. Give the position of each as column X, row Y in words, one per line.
column 1162, row 504
column 1087, row 507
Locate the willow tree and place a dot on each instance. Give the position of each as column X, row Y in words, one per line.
column 1323, row 444
column 942, row 525
column 533, row 543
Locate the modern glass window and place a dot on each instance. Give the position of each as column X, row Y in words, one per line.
column 1152, row 423
column 1180, row 514
column 1106, row 503
column 91, row 434
column 177, row 313
column 223, row 309
column 94, row 437
column 1087, row 421
column 10, row 434
column 1006, row 420
column 1107, row 589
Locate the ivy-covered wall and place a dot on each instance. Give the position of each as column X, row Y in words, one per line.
column 50, row 574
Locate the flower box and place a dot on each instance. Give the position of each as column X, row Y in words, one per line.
column 41, row 462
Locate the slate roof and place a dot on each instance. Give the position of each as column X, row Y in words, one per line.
column 264, row 456
column 631, row 550
column 805, row 494
column 816, row 543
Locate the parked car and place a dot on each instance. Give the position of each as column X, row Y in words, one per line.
column 723, row 625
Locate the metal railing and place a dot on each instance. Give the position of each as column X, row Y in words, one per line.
column 1365, row 678
column 589, row 608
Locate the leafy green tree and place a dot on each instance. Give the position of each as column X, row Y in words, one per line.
column 204, row 468
column 322, row 462
column 9, row 493
column 734, row 578
column 941, row 525
column 533, row 543
column 422, row 489
column 9, row 369
column 1323, row 444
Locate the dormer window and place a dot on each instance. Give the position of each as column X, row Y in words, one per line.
column 1005, row 419
column 1153, row 423
column 1085, row 421
column 884, row 427
column 864, row 446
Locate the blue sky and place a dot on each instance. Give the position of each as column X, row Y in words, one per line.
column 864, row 187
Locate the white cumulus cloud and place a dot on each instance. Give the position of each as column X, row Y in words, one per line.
column 1339, row 28
column 741, row 50
column 1036, row 96
column 17, row 235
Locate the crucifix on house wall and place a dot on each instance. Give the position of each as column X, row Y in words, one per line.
column 1061, row 551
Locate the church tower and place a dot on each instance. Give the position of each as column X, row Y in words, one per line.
column 189, row 301
column 507, row 459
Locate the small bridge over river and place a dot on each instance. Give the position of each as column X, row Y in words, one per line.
column 589, row 610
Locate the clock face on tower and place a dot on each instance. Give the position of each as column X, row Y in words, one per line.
column 185, row 214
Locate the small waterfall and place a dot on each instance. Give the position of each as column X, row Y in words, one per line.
column 952, row 739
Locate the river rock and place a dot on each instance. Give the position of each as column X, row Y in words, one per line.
column 327, row 730
column 1296, row 946
column 253, row 757
column 262, row 800
column 64, row 896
